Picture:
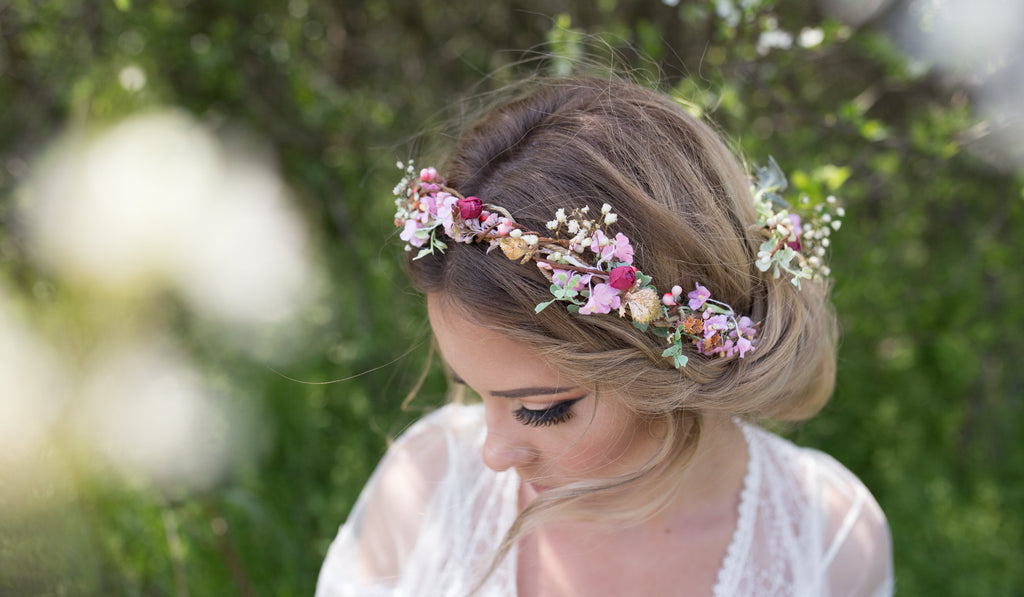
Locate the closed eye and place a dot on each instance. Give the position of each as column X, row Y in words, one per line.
column 557, row 413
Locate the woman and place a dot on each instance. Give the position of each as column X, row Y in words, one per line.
column 597, row 270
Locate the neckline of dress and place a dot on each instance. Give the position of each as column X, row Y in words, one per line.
column 741, row 535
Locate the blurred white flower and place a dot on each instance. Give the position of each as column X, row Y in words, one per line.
column 32, row 388
column 774, row 38
column 811, row 37
column 158, row 202
column 132, row 78
column 145, row 412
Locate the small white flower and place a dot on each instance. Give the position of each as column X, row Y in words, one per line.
column 585, row 209
column 574, row 226
column 825, row 271
column 825, row 242
column 610, row 219
column 400, row 164
column 531, row 239
column 814, row 260
column 831, row 199
column 515, row 233
column 840, row 212
column 606, row 208
column 820, row 251
column 771, row 221
column 836, row 224
column 552, row 225
column 560, row 215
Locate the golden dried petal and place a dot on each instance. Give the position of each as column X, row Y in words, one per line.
column 644, row 305
column 514, row 248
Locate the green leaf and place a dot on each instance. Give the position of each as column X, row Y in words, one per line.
column 543, row 306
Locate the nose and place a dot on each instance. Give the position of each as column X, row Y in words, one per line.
column 503, row 449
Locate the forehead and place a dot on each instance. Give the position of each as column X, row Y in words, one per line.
column 484, row 358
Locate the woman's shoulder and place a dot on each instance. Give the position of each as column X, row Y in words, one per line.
column 838, row 517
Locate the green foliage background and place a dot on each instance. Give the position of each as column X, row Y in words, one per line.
column 928, row 408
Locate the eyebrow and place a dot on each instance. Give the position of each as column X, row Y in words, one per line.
column 519, row 392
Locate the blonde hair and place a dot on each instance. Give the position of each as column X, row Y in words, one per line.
column 684, row 201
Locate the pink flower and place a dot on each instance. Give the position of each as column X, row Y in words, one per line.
column 428, row 174
column 622, row 277
column 714, row 324
column 470, row 208
column 698, row 297
column 745, row 327
column 504, row 227
column 603, row 298
column 561, row 278
column 445, row 211
column 602, row 245
column 743, row 346
column 623, row 250
column 797, row 231
column 668, row 300
column 409, row 234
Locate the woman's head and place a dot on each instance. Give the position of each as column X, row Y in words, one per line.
column 683, row 201
column 552, row 431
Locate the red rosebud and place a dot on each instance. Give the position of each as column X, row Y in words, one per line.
column 470, row 207
column 622, row 277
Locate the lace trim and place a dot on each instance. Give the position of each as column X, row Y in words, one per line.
column 744, row 533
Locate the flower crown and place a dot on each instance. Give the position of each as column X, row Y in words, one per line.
column 591, row 269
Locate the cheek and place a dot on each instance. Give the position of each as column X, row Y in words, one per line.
column 608, row 449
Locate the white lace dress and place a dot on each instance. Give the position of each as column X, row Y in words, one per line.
column 432, row 515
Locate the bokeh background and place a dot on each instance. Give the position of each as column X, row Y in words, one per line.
column 206, row 335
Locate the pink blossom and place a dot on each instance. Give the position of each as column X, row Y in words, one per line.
column 428, row 174
column 561, row 277
column 743, row 346
column 446, row 211
column 622, row 277
column 698, row 297
column 602, row 245
column 668, row 300
column 603, row 298
column 409, row 234
column 504, row 227
column 794, row 219
column 745, row 327
column 623, row 250
column 715, row 323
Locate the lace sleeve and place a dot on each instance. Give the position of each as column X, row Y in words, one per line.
column 858, row 545
column 429, row 520
column 369, row 554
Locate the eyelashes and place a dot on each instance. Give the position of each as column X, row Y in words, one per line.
column 557, row 413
